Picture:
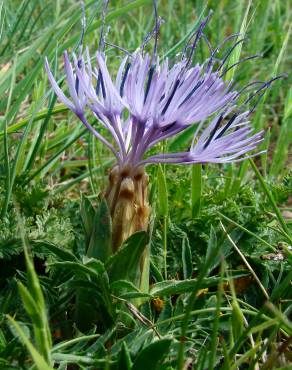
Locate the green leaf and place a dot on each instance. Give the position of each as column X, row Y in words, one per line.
column 39, row 361
column 212, row 247
column 124, row 359
column 136, row 295
column 34, row 303
column 30, row 305
column 280, row 289
column 155, row 272
column 92, row 269
column 170, row 287
column 87, row 213
column 33, row 282
column 94, row 264
column 237, row 321
column 100, row 245
column 71, row 342
column 125, row 263
column 120, row 285
column 78, row 359
column 126, row 290
column 151, row 356
column 94, row 306
column 60, row 253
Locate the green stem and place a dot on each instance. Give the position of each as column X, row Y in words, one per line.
column 7, row 171
column 165, row 226
column 214, row 338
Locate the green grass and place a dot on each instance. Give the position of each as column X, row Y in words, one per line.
column 220, row 294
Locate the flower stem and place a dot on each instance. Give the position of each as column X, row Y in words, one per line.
column 165, row 226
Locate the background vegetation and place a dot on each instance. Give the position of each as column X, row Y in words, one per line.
column 221, row 235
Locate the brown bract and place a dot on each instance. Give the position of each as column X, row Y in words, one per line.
column 127, row 199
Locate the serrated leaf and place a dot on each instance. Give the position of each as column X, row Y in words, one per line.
column 60, row 253
column 151, row 356
column 170, row 287
column 79, row 268
column 126, row 285
column 93, row 264
column 126, row 290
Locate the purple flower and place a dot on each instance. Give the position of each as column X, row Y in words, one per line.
column 150, row 101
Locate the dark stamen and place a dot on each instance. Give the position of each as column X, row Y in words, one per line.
column 152, row 33
column 97, row 85
column 197, row 38
column 198, row 33
column 103, row 15
column 208, row 43
column 124, row 78
column 156, row 28
column 257, row 102
column 117, row 47
column 77, row 85
column 265, row 85
column 199, row 83
column 239, row 62
column 246, row 87
column 188, row 47
column 230, row 52
column 218, row 48
column 100, row 83
column 171, row 96
column 83, row 25
column 226, row 127
column 168, row 127
column 79, row 64
column 213, row 131
column 151, row 72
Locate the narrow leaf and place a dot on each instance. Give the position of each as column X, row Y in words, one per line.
column 39, row 361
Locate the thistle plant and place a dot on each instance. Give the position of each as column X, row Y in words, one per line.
column 150, row 100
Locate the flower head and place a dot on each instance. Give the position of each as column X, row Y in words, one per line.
column 150, row 101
